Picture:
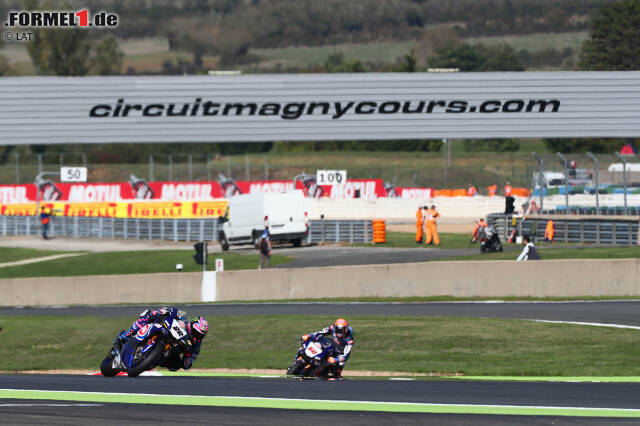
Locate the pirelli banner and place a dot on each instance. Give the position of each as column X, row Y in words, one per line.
column 305, row 107
column 123, row 209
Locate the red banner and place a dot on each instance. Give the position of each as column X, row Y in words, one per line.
column 139, row 189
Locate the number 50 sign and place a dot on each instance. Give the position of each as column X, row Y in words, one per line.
column 331, row 177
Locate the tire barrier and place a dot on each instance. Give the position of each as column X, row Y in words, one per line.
column 379, row 232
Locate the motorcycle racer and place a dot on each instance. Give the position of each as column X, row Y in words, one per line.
column 197, row 326
column 342, row 335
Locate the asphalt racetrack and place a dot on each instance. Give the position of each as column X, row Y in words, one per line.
column 167, row 391
column 84, row 399
column 622, row 312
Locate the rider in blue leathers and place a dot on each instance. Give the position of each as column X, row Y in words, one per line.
column 197, row 327
column 342, row 335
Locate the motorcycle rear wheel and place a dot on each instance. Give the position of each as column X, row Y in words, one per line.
column 148, row 362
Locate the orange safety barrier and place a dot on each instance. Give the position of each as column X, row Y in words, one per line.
column 520, row 192
column 379, row 231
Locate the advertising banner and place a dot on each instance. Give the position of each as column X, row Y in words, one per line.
column 124, row 209
column 139, row 189
column 319, row 107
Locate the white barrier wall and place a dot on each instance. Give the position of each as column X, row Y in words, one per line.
column 552, row 278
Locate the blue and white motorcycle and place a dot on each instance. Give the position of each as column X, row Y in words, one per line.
column 145, row 350
column 315, row 358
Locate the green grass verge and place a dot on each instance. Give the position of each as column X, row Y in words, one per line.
column 316, row 404
column 12, row 254
column 477, row 347
column 132, row 262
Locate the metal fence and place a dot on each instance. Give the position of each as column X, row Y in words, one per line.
column 320, row 231
column 597, row 230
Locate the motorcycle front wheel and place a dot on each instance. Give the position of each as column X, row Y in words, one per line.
column 106, row 368
column 296, row 368
column 148, row 362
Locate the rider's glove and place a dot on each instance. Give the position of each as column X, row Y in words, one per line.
column 305, row 337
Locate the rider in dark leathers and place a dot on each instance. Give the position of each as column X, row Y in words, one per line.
column 342, row 335
column 197, row 327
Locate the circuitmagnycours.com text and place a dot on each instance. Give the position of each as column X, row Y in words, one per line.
column 334, row 110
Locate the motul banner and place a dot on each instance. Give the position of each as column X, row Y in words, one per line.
column 139, row 189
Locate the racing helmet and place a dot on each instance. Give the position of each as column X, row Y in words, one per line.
column 199, row 327
column 340, row 327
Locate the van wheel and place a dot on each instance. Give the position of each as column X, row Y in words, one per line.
column 297, row 242
column 224, row 243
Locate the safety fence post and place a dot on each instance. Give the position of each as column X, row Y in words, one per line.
column 613, row 233
column 100, row 224
column 351, row 232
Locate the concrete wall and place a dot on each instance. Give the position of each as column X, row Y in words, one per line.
column 552, row 278
column 101, row 289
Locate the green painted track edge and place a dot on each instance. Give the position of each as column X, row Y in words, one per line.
column 298, row 404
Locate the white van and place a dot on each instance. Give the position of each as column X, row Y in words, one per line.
column 248, row 214
column 549, row 179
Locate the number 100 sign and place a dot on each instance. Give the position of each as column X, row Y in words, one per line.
column 331, row 177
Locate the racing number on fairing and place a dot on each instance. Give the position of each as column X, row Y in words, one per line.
column 178, row 331
column 312, row 350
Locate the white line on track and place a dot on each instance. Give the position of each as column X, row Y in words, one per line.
column 594, row 324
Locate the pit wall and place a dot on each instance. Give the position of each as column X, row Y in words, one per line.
column 552, row 278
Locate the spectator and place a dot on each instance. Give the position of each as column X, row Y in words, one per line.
column 533, row 208
column 507, row 190
column 432, row 229
column 265, row 249
column 481, row 224
column 419, row 225
column 508, row 205
column 529, row 252
column 524, row 209
column 45, row 218
column 549, row 231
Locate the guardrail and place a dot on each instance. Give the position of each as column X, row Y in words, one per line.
column 618, row 230
column 320, row 231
